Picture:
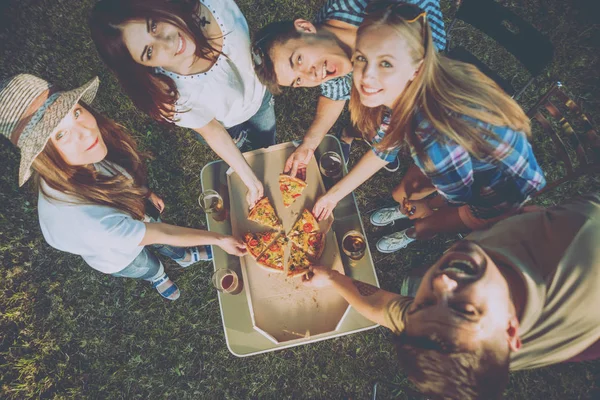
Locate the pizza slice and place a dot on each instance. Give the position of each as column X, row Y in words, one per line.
column 299, row 262
column 306, row 223
column 291, row 188
column 264, row 213
column 256, row 243
column 312, row 243
column 273, row 256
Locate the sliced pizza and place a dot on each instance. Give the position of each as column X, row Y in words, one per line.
column 299, row 262
column 312, row 243
column 264, row 213
column 273, row 256
column 306, row 223
column 256, row 243
column 291, row 188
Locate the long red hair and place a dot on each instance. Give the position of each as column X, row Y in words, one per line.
column 86, row 184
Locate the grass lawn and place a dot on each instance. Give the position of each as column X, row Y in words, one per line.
column 67, row 331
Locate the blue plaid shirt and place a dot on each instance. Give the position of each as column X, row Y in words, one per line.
column 489, row 187
column 388, row 155
column 352, row 12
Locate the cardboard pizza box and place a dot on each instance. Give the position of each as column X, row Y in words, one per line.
column 282, row 308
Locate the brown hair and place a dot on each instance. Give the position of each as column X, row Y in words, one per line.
column 155, row 94
column 276, row 33
column 443, row 90
column 90, row 187
column 443, row 371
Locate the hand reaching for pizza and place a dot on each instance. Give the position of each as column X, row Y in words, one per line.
column 233, row 246
column 324, row 207
column 318, row 277
column 296, row 163
column 255, row 193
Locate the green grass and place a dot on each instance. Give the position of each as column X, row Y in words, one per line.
column 67, row 331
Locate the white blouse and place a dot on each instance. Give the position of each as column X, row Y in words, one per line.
column 230, row 91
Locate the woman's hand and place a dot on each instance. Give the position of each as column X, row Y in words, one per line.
column 157, row 201
column 416, row 209
column 256, row 191
column 318, row 277
column 233, row 246
column 324, row 206
column 298, row 160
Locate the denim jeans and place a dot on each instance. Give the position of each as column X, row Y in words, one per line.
column 147, row 266
column 259, row 130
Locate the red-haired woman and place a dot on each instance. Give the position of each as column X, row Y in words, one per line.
column 91, row 181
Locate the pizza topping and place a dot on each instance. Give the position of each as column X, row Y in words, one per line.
column 264, row 213
column 274, row 247
column 307, row 227
column 253, row 242
column 291, row 189
column 299, row 261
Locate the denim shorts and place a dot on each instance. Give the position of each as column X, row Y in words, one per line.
column 258, row 131
column 147, row 266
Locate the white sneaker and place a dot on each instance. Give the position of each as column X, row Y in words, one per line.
column 386, row 216
column 394, row 242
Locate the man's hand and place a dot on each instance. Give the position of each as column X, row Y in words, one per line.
column 318, row 277
column 255, row 193
column 324, row 206
column 157, row 201
column 298, row 160
column 233, row 246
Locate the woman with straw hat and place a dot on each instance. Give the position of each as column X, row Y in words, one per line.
column 91, row 180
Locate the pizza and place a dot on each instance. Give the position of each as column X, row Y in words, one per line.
column 306, row 223
column 264, row 213
column 256, row 243
column 299, row 262
column 291, row 188
column 312, row 243
column 273, row 256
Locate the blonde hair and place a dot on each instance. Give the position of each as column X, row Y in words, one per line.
column 443, row 90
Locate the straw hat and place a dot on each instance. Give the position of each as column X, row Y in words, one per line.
column 30, row 110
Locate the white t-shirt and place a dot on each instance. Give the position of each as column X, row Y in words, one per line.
column 108, row 239
column 230, row 91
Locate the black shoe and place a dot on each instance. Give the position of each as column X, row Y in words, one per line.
column 393, row 166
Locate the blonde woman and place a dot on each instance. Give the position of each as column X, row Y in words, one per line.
column 91, row 180
column 473, row 164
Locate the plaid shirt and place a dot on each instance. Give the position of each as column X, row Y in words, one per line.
column 388, row 155
column 352, row 12
column 489, row 187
